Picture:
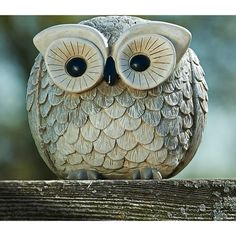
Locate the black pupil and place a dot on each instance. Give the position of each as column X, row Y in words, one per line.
column 139, row 63
column 76, row 66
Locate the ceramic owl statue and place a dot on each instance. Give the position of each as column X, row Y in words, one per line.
column 116, row 97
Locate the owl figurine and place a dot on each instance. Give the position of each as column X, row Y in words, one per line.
column 116, row 97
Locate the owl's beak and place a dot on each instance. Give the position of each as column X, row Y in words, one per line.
column 110, row 75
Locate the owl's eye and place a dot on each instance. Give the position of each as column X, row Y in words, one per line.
column 143, row 62
column 139, row 62
column 74, row 64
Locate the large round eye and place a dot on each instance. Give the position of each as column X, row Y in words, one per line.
column 139, row 62
column 143, row 62
column 74, row 64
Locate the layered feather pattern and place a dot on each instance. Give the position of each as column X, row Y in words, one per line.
column 116, row 129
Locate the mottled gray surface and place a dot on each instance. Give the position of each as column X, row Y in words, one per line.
column 113, row 26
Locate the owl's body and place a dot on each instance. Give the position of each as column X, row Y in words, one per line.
column 117, row 130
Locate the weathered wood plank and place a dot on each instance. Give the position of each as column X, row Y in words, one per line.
column 118, row 200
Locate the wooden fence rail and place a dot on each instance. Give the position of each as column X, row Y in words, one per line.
column 118, row 200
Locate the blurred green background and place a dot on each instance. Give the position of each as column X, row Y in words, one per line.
column 214, row 41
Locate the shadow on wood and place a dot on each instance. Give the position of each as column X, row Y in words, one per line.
column 118, row 200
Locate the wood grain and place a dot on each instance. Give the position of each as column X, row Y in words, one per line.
column 118, row 200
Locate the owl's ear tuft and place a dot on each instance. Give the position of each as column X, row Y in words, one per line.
column 43, row 39
column 179, row 36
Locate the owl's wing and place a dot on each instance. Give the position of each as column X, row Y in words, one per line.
column 38, row 72
column 200, row 100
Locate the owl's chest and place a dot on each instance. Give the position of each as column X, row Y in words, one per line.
column 112, row 128
column 117, row 116
column 116, row 135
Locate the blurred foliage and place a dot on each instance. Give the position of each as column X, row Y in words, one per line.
column 213, row 39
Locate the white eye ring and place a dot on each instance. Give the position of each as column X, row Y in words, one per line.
column 61, row 51
column 160, row 52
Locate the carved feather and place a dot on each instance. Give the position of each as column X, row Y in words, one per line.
column 103, row 100
column 104, row 144
column 53, row 136
column 201, row 91
column 62, row 114
column 52, row 148
column 59, row 160
column 72, row 133
column 31, row 88
column 151, row 117
column 156, row 144
column 163, row 128
column 89, row 95
column 130, row 165
column 168, row 87
column 125, row 99
column 129, row 123
column 82, row 146
column 138, row 154
column 60, row 128
column 155, row 91
column 37, row 72
column 184, row 137
column 187, row 90
column 112, row 164
column 170, row 112
column 156, row 158
column 127, row 141
column 94, row 158
column 173, row 98
column 137, row 109
column 100, row 120
column 90, row 107
column 46, row 136
column 137, row 94
column 117, row 153
column 204, row 105
column 144, row 134
column 171, row 161
column 162, row 154
column 186, row 106
column 171, row 143
column 116, row 111
column 64, row 147
column 70, row 101
column 54, row 99
column 188, row 121
column 43, row 95
column 55, row 90
column 113, row 91
column 114, row 129
column 44, row 109
column 34, row 75
column 74, row 159
column 45, row 81
column 89, row 132
column 29, row 101
column 154, row 104
column 179, row 83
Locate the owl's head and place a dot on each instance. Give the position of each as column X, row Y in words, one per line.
column 142, row 53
